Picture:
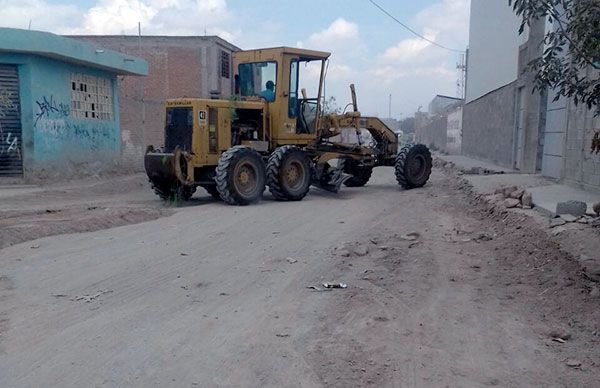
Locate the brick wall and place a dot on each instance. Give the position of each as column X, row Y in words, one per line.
column 178, row 67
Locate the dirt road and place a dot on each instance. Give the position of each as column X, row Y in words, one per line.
column 216, row 296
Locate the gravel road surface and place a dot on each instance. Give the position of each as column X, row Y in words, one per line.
column 440, row 293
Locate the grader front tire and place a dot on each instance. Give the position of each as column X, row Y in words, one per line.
column 289, row 174
column 413, row 166
column 240, row 176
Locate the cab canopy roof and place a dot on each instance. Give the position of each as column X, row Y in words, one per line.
column 304, row 54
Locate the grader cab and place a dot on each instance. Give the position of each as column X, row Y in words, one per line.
column 273, row 132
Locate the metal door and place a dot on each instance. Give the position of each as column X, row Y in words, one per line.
column 11, row 160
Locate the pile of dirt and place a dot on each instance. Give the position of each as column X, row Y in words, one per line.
column 17, row 226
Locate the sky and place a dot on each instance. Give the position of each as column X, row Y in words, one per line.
column 368, row 48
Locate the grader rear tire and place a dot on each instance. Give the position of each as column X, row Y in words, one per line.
column 240, row 176
column 413, row 166
column 289, row 174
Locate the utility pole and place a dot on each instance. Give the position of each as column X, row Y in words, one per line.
column 390, row 107
column 460, row 83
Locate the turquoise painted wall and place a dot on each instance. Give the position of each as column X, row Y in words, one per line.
column 51, row 135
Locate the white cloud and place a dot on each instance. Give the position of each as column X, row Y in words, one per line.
column 450, row 18
column 117, row 16
column 341, row 38
column 41, row 14
column 408, row 49
column 165, row 17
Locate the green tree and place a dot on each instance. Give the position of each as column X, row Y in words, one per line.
column 330, row 106
column 571, row 47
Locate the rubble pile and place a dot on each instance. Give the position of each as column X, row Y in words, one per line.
column 510, row 197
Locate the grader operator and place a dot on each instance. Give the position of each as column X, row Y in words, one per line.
column 272, row 133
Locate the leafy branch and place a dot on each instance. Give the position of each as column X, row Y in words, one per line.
column 571, row 54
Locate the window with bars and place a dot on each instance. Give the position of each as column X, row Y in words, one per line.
column 91, row 97
column 225, row 67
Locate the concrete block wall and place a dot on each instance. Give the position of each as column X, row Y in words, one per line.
column 489, row 125
column 582, row 167
column 178, row 67
column 454, row 133
column 433, row 132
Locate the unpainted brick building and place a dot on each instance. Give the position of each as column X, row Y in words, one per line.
column 179, row 66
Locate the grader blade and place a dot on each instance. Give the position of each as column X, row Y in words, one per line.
column 160, row 168
column 332, row 178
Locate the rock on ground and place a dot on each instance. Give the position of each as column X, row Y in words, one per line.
column 569, row 217
column 576, row 208
column 517, row 194
column 527, row 200
column 511, row 202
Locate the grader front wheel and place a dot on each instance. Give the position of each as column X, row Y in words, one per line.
column 289, row 174
column 240, row 176
column 413, row 166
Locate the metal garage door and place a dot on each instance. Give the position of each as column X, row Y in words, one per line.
column 11, row 163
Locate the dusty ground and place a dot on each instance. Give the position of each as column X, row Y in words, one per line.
column 28, row 212
column 208, row 297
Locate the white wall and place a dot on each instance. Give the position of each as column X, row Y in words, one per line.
column 454, row 132
column 493, row 47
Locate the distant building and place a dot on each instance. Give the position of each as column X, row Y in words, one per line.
column 59, row 104
column 180, row 66
column 439, row 105
column 441, row 127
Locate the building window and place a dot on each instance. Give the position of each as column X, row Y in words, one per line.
column 91, row 97
column 225, row 67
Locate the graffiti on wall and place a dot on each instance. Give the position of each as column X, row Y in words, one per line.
column 7, row 104
column 9, row 143
column 94, row 136
column 55, row 129
column 50, row 109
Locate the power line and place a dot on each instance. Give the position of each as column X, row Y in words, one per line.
column 413, row 31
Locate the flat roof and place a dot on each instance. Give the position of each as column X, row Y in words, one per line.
column 54, row 46
column 448, row 97
column 166, row 38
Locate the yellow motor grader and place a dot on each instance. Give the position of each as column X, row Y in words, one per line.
column 271, row 132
